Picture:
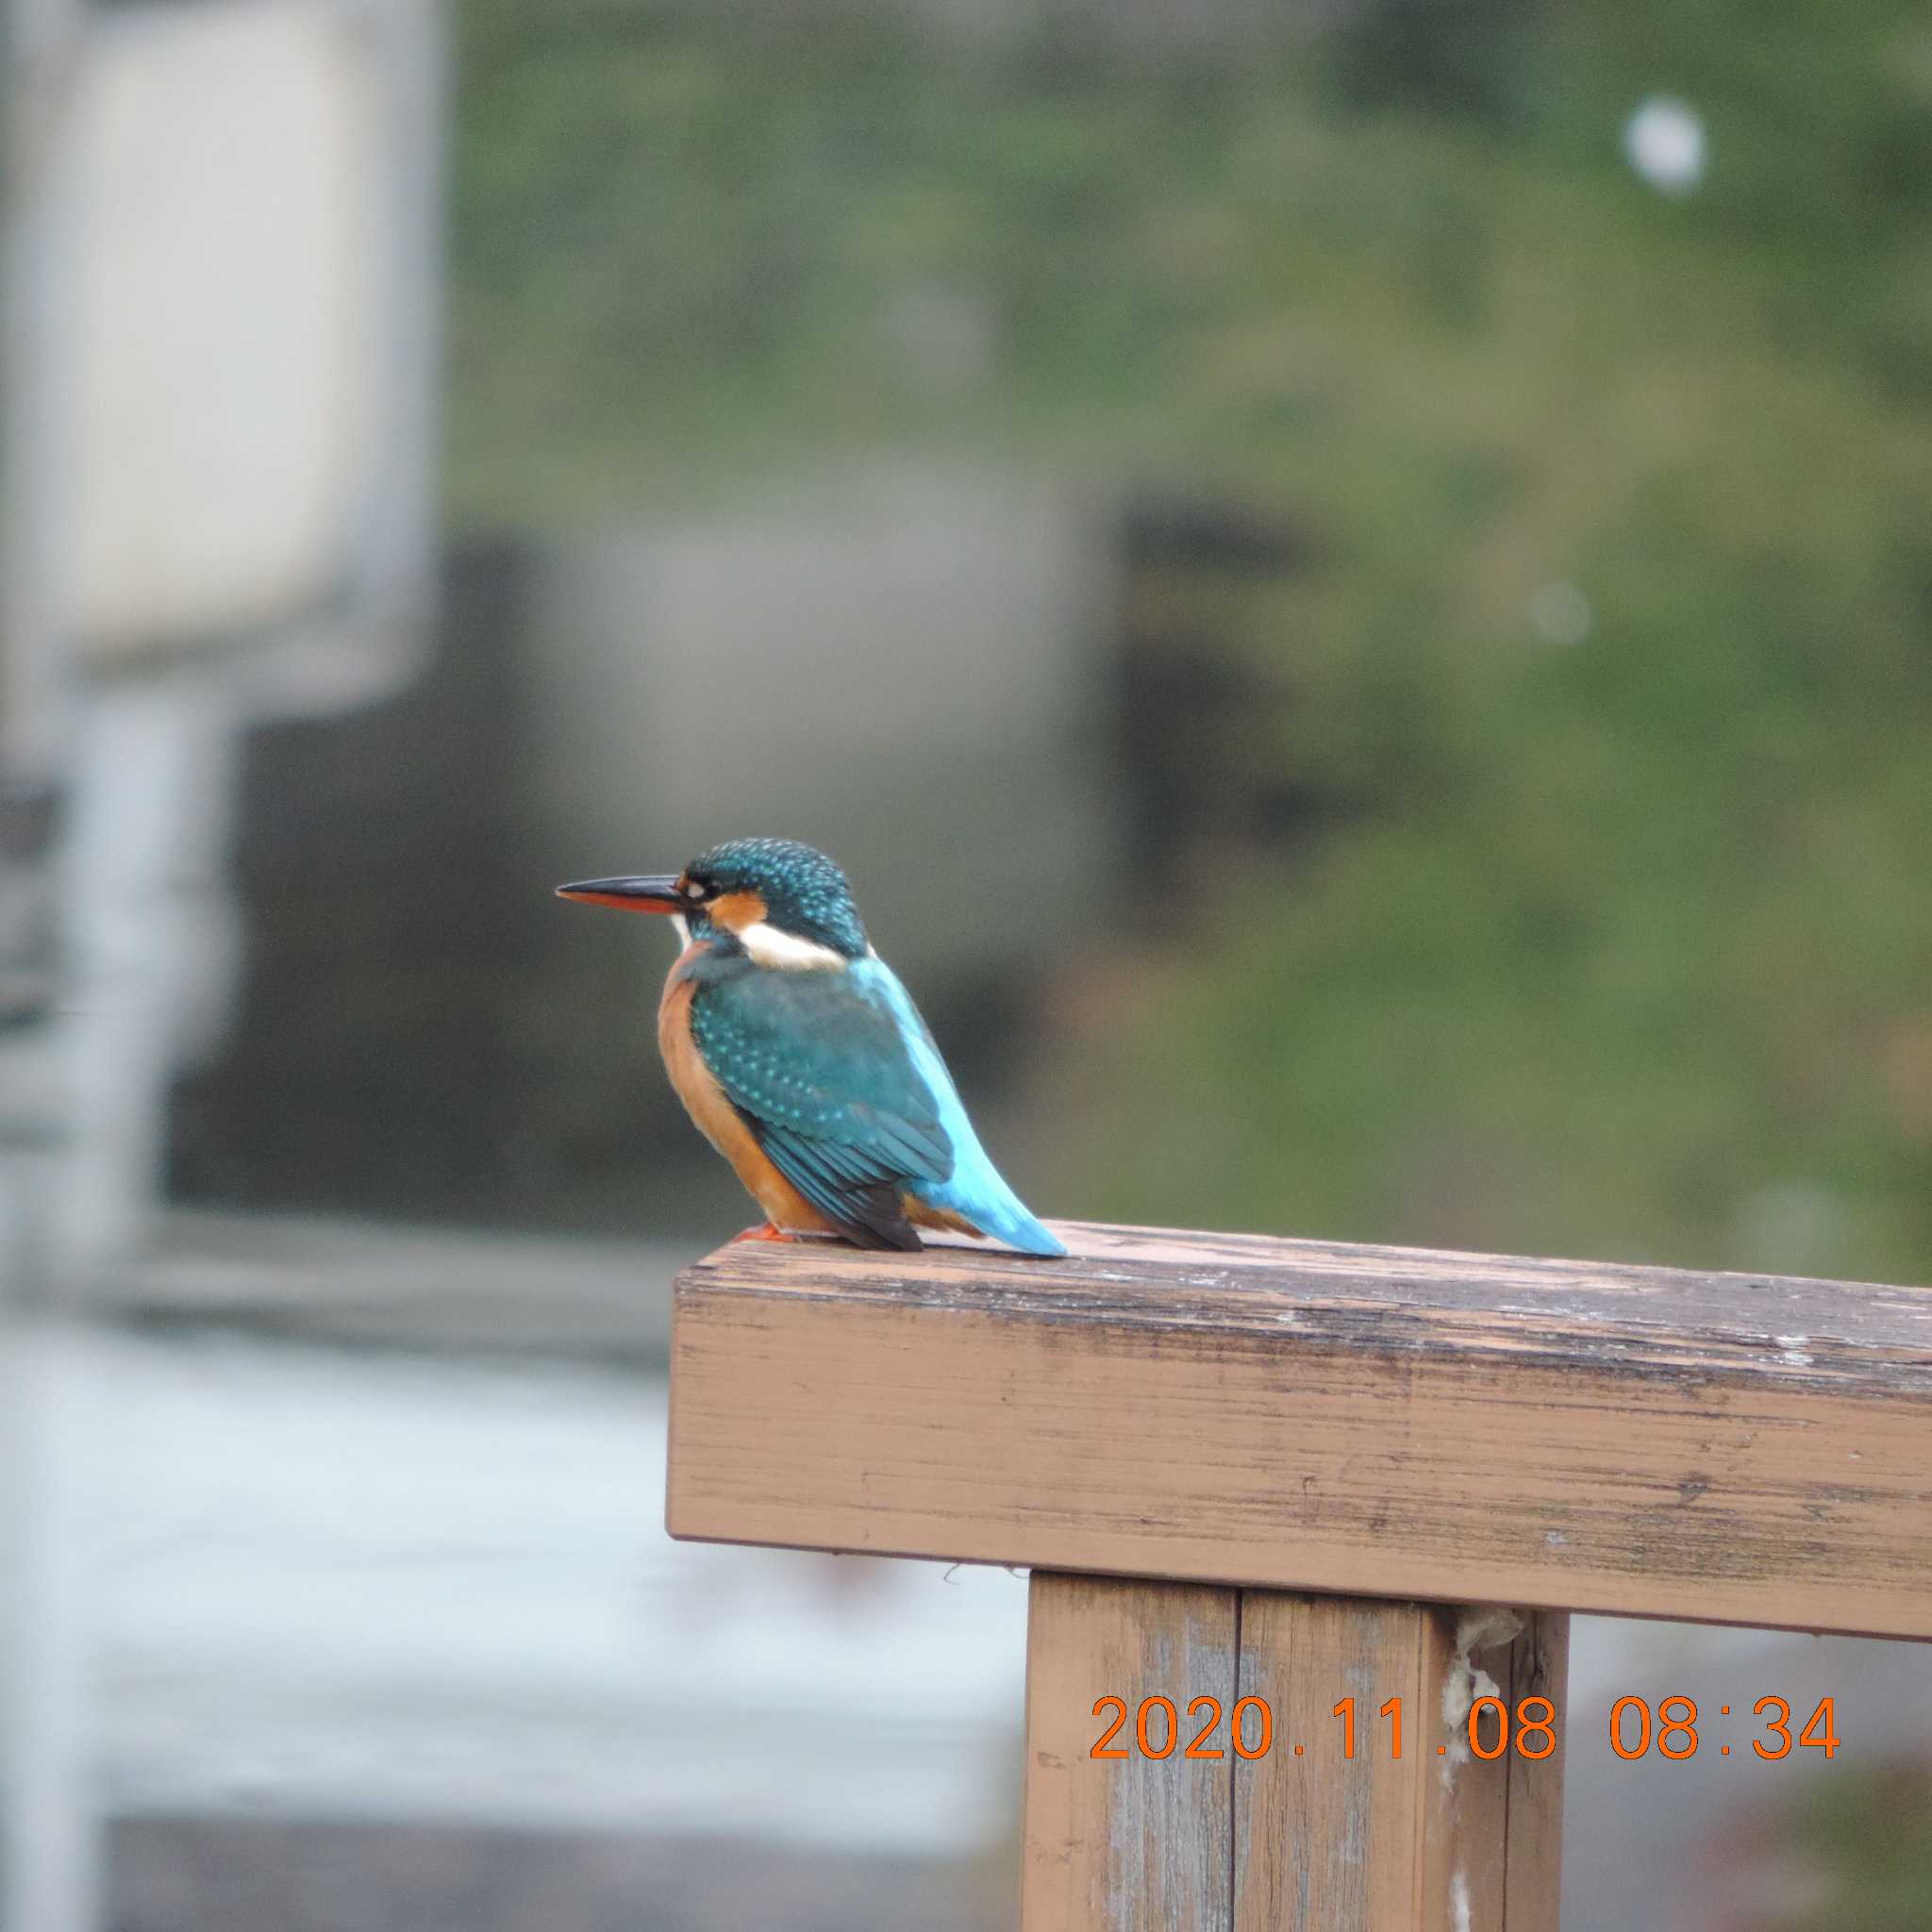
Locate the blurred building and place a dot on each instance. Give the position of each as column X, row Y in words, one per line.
column 223, row 289
column 220, row 375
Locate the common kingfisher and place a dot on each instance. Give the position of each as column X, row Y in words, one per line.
column 803, row 1060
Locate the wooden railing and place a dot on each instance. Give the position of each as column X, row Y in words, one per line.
column 1283, row 1475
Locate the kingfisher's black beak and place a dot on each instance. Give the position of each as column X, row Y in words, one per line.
column 655, row 893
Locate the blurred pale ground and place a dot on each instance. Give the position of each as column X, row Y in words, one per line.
column 1351, row 582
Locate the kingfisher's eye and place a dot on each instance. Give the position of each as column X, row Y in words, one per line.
column 696, row 890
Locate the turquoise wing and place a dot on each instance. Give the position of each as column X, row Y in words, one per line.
column 826, row 1080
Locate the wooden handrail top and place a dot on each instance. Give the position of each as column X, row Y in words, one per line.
column 1380, row 1420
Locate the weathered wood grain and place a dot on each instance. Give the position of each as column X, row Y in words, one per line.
column 1539, row 1667
column 1436, row 1839
column 1377, row 1421
column 1133, row 1843
column 1333, row 1843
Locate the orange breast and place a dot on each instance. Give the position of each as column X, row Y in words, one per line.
column 717, row 1119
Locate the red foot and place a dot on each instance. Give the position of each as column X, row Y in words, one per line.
column 765, row 1231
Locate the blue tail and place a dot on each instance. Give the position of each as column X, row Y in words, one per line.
column 992, row 1208
column 975, row 1189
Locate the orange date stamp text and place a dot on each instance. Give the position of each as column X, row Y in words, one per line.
column 1157, row 1728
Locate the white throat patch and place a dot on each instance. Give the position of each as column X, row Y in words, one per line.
column 786, row 951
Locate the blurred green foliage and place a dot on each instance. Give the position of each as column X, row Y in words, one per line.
column 1851, row 1851
column 1627, row 950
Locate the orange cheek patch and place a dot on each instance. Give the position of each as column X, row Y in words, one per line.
column 734, row 911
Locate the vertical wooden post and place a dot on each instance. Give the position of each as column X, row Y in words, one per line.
column 1298, row 1836
column 1437, row 1839
column 1130, row 1843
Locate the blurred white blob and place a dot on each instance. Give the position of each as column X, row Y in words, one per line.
column 1561, row 612
column 1795, row 1227
column 1663, row 140
column 222, row 317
